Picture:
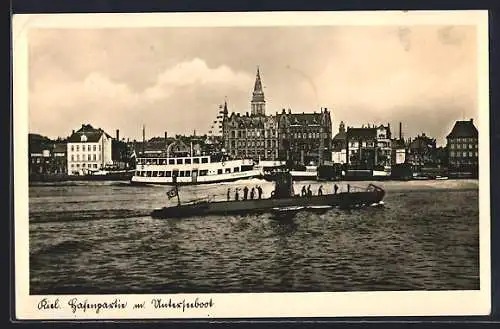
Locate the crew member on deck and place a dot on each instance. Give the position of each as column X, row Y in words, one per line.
column 236, row 195
column 252, row 193
column 228, row 196
column 348, row 188
column 320, row 190
column 335, row 188
column 303, row 192
column 245, row 193
column 309, row 192
column 259, row 190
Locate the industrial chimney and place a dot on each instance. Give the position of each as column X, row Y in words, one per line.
column 400, row 130
column 117, row 134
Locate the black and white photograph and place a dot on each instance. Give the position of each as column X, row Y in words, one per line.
column 247, row 164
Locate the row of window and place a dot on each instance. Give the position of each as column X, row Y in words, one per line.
column 363, row 144
column 252, row 133
column 463, row 162
column 181, row 173
column 254, row 151
column 463, row 139
column 463, row 146
column 90, row 157
column 463, row 154
column 178, row 161
column 308, row 135
column 88, row 148
column 39, row 160
column 261, row 153
column 253, row 143
column 84, row 165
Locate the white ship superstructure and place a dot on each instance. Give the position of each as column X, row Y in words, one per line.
column 192, row 170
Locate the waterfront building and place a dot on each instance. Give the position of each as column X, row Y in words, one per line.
column 174, row 146
column 462, row 146
column 398, row 155
column 305, row 138
column 59, row 158
column 383, row 154
column 39, row 153
column 422, row 151
column 369, row 147
column 339, row 148
column 399, row 148
column 46, row 156
column 360, row 143
column 88, row 149
column 253, row 135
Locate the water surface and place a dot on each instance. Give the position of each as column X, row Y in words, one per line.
column 98, row 237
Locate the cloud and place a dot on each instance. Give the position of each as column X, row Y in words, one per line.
column 192, row 72
column 175, row 78
column 374, row 79
column 112, row 104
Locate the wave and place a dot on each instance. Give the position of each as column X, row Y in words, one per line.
column 63, row 247
column 80, row 183
column 81, row 215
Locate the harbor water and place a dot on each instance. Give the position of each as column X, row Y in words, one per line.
column 98, row 237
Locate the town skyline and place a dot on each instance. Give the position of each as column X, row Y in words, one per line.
column 424, row 77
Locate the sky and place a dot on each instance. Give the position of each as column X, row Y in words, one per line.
column 174, row 79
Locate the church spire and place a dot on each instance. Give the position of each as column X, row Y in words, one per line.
column 258, row 101
column 225, row 111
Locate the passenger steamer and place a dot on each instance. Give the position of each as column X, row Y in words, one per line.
column 192, row 170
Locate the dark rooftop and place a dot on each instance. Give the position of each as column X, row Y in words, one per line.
column 463, row 129
column 93, row 135
column 305, row 119
column 341, row 135
column 361, row 132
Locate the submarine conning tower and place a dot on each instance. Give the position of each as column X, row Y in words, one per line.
column 283, row 186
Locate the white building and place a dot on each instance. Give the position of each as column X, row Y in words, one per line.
column 88, row 150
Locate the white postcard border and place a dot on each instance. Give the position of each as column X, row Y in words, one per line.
column 414, row 303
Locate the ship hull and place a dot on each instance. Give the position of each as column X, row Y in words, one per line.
column 231, row 177
column 342, row 200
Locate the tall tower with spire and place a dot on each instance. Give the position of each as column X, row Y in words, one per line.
column 258, row 104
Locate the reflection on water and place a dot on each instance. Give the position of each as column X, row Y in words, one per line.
column 99, row 238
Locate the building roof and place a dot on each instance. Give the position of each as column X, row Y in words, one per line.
column 248, row 121
column 463, row 129
column 258, row 93
column 37, row 143
column 151, row 146
column 60, row 148
column 341, row 135
column 361, row 132
column 92, row 134
column 422, row 141
column 305, row 119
